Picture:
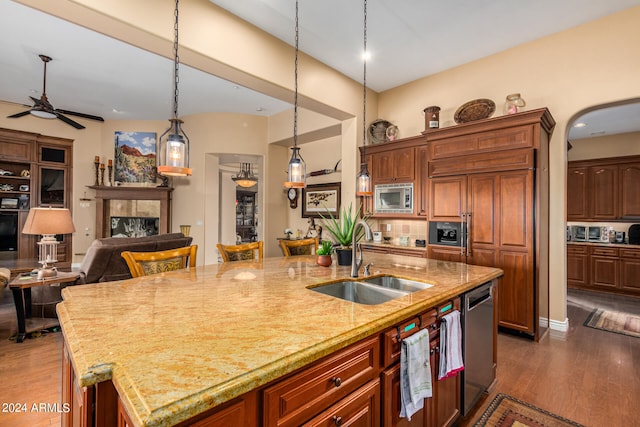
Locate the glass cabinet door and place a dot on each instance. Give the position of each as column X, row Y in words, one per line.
column 53, row 185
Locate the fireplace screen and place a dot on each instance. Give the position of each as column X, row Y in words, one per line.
column 132, row 226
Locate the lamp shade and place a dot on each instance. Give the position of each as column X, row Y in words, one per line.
column 49, row 221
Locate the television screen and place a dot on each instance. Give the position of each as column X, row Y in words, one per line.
column 8, row 231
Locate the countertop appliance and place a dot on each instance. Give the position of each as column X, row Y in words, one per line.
column 597, row 234
column 634, row 234
column 620, row 236
column 477, row 326
column 393, row 198
column 446, row 233
column 579, row 233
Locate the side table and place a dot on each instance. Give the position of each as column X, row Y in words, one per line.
column 21, row 288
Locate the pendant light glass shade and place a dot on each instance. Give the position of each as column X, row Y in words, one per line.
column 363, row 180
column 173, row 151
column 297, row 170
column 245, row 177
column 172, row 148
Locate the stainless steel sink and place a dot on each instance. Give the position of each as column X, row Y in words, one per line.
column 359, row 292
column 391, row 282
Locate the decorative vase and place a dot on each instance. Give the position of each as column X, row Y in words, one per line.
column 324, row 260
column 343, row 256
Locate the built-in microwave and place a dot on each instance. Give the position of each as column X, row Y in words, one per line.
column 393, row 198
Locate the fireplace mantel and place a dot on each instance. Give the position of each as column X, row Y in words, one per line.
column 106, row 195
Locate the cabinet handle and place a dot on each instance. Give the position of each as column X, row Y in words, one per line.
column 434, row 326
column 337, row 420
column 337, row 381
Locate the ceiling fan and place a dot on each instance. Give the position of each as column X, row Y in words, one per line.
column 42, row 107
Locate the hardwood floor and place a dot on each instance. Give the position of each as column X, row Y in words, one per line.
column 589, row 376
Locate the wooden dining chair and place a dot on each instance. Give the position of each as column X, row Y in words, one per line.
column 241, row 252
column 146, row 263
column 299, row 247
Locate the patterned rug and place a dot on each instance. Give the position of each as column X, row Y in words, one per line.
column 614, row 321
column 507, row 411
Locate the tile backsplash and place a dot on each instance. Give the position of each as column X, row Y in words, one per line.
column 415, row 229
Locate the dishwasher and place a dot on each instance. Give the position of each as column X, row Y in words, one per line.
column 477, row 345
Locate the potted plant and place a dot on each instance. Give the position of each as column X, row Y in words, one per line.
column 342, row 231
column 324, row 253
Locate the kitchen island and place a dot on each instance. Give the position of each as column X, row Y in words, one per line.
column 163, row 349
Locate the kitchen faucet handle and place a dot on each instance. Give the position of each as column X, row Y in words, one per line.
column 366, row 269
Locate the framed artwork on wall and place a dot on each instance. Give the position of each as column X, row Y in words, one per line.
column 320, row 199
column 135, row 157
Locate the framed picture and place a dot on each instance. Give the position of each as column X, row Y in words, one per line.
column 135, row 157
column 320, row 199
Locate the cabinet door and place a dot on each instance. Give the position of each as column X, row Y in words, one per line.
column 577, row 196
column 53, row 186
column 447, row 393
column 404, row 165
column 382, row 166
column 630, row 270
column 359, row 409
column 482, row 218
column 604, row 272
column 448, row 198
column 445, row 253
column 630, row 191
column 422, row 184
column 604, row 197
column 391, row 402
column 577, row 266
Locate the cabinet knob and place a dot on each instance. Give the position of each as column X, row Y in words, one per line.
column 337, row 420
column 337, row 381
column 434, row 326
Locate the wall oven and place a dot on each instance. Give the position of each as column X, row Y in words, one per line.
column 394, row 198
column 446, row 233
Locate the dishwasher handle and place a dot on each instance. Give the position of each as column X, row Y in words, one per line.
column 478, row 297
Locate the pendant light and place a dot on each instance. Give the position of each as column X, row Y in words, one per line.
column 245, row 177
column 297, row 170
column 173, row 145
column 363, row 180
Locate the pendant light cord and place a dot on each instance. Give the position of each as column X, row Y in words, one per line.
column 364, row 90
column 295, row 92
column 176, row 62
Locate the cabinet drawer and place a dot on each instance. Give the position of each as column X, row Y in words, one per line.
column 391, row 344
column 501, row 139
column 361, row 408
column 576, row 249
column 297, row 399
column 602, row 251
column 630, row 253
column 448, row 306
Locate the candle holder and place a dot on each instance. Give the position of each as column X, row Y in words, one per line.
column 102, row 176
column 110, row 175
column 97, row 165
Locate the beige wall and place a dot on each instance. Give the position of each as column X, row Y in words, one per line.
column 567, row 72
column 624, row 144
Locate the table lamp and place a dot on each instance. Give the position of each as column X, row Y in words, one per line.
column 48, row 222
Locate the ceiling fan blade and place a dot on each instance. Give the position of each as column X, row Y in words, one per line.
column 14, row 116
column 86, row 116
column 68, row 121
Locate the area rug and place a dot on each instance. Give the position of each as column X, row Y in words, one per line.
column 507, row 411
column 614, row 321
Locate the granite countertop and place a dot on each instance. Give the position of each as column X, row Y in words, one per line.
column 179, row 343
column 394, row 246
column 607, row 244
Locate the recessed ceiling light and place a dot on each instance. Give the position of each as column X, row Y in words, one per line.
column 260, row 109
column 579, row 125
column 597, row 133
column 366, row 56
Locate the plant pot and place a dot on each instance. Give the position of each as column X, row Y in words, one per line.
column 343, row 256
column 324, row 260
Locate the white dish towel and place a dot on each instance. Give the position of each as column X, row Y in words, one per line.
column 415, row 373
column 450, row 346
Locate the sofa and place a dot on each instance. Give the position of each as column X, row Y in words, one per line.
column 103, row 262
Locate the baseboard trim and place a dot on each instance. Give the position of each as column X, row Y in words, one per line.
column 556, row 325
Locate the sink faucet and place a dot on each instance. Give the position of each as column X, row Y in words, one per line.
column 355, row 264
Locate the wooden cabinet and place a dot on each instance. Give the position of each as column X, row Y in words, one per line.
column 604, row 189
column 613, row 269
column 245, row 216
column 35, row 170
column 361, row 408
column 493, row 175
column 393, row 166
column 630, row 190
column 577, row 265
column 421, row 195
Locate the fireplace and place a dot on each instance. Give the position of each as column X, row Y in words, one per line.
column 134, row 226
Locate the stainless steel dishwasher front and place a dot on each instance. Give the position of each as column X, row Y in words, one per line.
column 477, row 346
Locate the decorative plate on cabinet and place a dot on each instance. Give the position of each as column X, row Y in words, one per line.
column 474, row 110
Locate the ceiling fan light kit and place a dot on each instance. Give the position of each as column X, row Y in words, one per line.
column 43, row 109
